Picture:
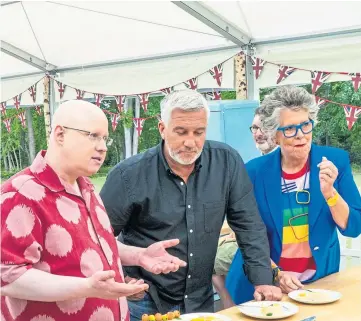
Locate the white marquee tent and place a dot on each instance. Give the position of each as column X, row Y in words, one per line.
column 127, row 47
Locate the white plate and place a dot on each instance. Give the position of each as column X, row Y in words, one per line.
column 190, row 316
column 253, row 309
column 331, row 296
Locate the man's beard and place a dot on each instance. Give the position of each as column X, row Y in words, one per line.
column 176, row 157
column 264, row 147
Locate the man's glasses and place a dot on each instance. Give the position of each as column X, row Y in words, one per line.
column 291, row 131
column 254, row 129
column 93, row 137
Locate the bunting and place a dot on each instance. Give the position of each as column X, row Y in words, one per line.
column 144, row 101
column 318, row 78
column 38, row 110
column 120, row 99
column 352, row 113
column 22, row 119
column 192, row 83
column 217, row 72
column 80, row 93
column 356, row 80
column 115, row 120
column 214, row 95
column 61, row 88
column 17, row 101
column 284, row 72
column 167, row 91
column 138, row 124
column 257, row 64
column 7, row 123
column 98, row 99
column 3, row 109
column 32, row 92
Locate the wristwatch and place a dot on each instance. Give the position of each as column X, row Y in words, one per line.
column 333, row 200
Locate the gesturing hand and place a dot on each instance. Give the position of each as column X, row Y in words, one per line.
column 102, row 285
column 328, row 174
column 156, row 259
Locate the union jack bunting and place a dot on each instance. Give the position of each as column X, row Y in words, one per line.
column 167, row 91
column 98, row 99
column 7, row 123
column 138, row 123
column 3, row 109
column 38, row 110
column 352, row 113
column 214, row 95
column 356, row 80
column 17, row 101
column 61, row 88
column 318, row 78
column 120, row 99
column 320, row 102
column 217, row 73
column 115, row 119
column 284, row 72
column 22, row 118
column 80, row 93
column 257, row 64
column 32, row 91
column 144, row 101
column 192, row 83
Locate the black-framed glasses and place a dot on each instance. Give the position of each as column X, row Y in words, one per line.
column 93, row 136
column 254, row 129
column 292, row 130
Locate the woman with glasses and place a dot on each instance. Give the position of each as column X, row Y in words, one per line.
column 305, row 193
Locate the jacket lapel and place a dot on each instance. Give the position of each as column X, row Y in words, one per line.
column 272, row 187
column 317, row 199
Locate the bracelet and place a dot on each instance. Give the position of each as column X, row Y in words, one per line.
column 333, row 200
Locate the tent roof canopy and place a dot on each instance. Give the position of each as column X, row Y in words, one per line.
column 66, row 34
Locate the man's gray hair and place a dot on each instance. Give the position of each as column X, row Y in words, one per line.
column 187, row 100
column 286, row 97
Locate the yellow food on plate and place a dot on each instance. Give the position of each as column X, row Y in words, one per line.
column 314, row 296
column 176, row 314
column 158, row 317
column 151, row 317
column 145, row 317
column 272, row 310
column 206, row 318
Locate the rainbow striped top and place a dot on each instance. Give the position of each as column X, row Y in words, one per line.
column 296, row 255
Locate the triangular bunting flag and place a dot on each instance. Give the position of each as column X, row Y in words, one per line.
column 159, row 117
column 7, row 123
column 98, row 99
column 214, row 95
column 115, row 119
column 284, row 72
column 320, row 102
column 144, row 101
column 38, row 110
column 356, row 80
column 61, row 88
column 120, row 99
column 192, row 83
column 318, row 78
column 216, row 73
column 352, row 113
column 3, row 108
column 80, row 93
column 138, row 123
column 32, row 92
column 22, row 118
column 257, row 64
column 17, row 101
column 167, row 91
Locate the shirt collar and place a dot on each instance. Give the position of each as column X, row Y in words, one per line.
column 50, row 179
column 160, row 147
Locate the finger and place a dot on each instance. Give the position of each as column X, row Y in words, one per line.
column 124, row 289
column 104, row 275
column 327, row 171
column 170, row 243
column 297, row 282
column 289, row 284
column 326, row 178
column 178, row 262
column 268, row 295
column 277, row 294
column 257, row 296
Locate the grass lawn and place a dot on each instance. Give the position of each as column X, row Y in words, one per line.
column 99, row 181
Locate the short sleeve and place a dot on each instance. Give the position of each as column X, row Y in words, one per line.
column 21, row 236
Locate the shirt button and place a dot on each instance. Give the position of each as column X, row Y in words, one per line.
column 189, row 276
column 315, row 248
column 182, row 183
column 186, row 296
column 189, row 206
column 191, row 254
column 191, row 231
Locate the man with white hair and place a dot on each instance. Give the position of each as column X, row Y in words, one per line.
column 59, row 258
column 183, row 188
